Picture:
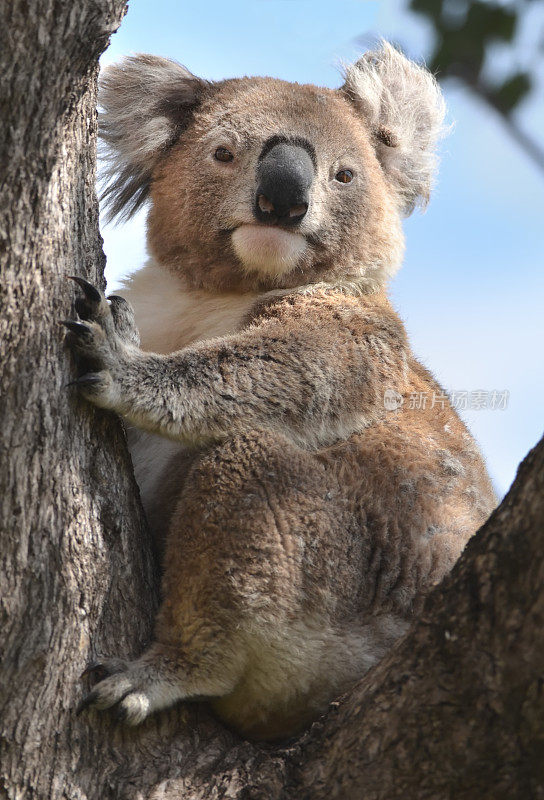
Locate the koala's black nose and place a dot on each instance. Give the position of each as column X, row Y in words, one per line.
column 285, row 174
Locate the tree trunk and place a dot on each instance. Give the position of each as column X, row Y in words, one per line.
column 455, row 711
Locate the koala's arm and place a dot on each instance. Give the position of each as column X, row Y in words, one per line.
column 309, row 367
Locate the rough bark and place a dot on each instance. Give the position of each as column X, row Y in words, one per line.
column 455, row 711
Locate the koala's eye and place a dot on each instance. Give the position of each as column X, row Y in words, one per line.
column 222, row 154
column 344, row 176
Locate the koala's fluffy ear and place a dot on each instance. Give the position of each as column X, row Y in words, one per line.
column 146, row 102
column 405, row 110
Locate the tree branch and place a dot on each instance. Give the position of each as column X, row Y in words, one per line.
column 530, row 146
column 457, row 709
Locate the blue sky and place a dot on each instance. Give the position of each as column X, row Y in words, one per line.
column 471, row 290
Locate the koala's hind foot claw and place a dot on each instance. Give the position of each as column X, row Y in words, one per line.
column 87, row 381
column 98, row 670
column 112, row 692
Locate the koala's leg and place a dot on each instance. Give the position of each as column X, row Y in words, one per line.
column 158, row 679
column 262, row 566
column 257, row 578
column 133, row 690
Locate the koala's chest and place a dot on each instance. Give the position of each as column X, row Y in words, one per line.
column 170, row 318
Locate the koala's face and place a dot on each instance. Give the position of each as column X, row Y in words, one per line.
column 259, row 183
column 275, row 182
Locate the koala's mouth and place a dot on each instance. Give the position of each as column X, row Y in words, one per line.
column 269, row 250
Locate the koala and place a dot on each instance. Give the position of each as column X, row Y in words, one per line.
column 303, row 505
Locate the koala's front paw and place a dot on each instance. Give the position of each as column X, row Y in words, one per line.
column 98, row 344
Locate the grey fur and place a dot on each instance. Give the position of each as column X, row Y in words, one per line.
column 305, row 522
column 146, row 102
column 405, row 109
column 256, row 614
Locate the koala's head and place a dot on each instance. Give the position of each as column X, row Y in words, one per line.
column 256, row 183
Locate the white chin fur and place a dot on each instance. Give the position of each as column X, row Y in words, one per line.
column 267, row 250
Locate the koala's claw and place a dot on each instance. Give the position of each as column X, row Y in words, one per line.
column 86, row 381
column 103, row 669
column 102, row 341
column 107, row 693
column 123, row 315
column 84, row 310
column 87, row 701
column 96, row 346
column 122, row 692
column 78, row 328
column 113, row 314
column 95, row 670
column 92, row 294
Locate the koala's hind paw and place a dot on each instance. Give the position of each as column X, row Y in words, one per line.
column 98, row 670
column 119, row 693
column 131, row 691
